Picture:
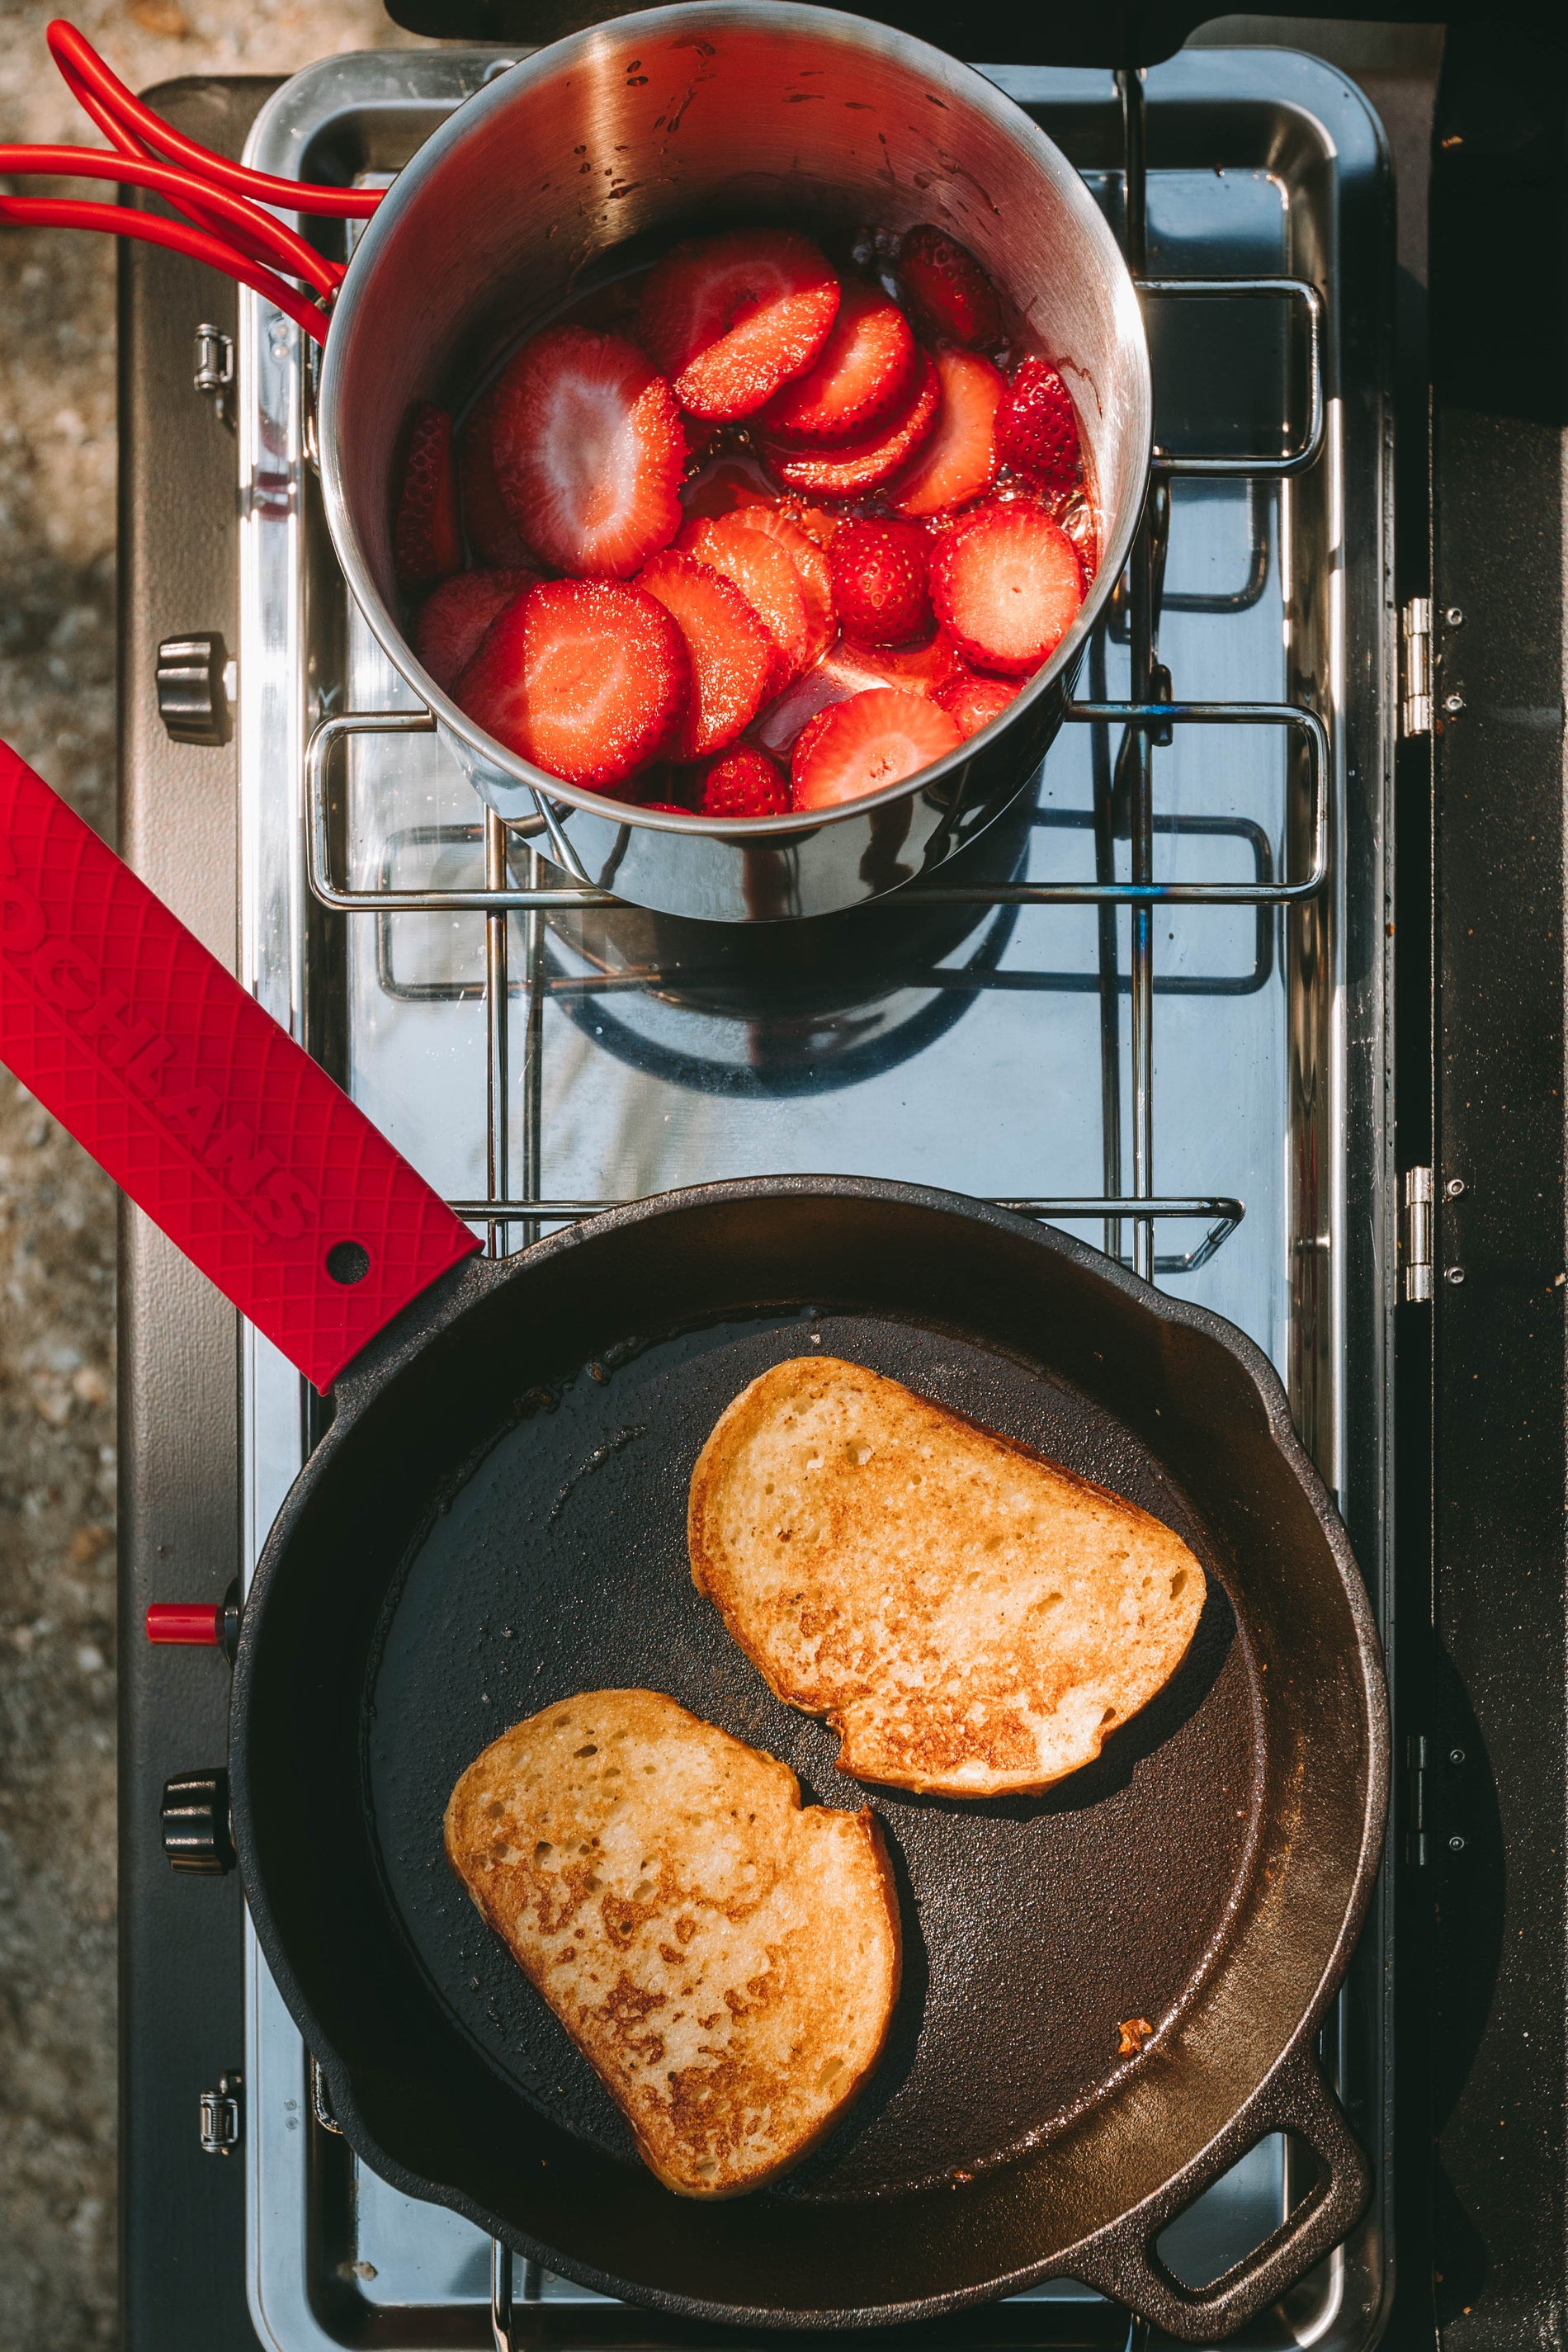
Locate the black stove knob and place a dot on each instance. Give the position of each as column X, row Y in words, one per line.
column 196, row 1832
column 193, row 695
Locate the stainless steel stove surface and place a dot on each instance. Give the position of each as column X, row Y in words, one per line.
column 537, row 1061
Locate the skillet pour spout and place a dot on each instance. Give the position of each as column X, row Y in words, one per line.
column 664, row 124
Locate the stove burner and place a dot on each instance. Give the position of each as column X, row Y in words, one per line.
column 785, row 1007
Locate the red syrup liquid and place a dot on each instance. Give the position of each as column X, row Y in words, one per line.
column 725, row 471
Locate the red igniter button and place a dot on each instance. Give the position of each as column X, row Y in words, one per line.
column 185, row 1620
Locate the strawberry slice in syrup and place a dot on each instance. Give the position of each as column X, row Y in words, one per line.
column 588, row 451
column 731, row 318
column 584, row 677
column 958, row 461
column 862, row 466
column 1036, row 431
column 948, row 291
column 868, row 742
column 812, row 570
column 859, row 377
column 744, row 782
column 731, row 651
column 1007, row 582
column 763, row 572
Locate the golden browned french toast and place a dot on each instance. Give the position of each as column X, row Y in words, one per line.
column 971, row 1618
column 726, row 1961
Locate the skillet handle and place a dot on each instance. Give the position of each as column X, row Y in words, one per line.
column 197, row 1102
column 1122, row 2261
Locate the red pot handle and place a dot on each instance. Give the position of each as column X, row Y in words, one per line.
column 193, row 1099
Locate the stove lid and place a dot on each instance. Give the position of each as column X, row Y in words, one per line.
column 1107, row 33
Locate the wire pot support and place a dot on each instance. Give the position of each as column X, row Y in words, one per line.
column 1147, row 716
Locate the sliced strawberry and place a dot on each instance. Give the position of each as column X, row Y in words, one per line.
column 862, row 466
column 973, row 701
column 493, row 537
column 959, row 460
column 1037, row 432
column 744, row 783
column 730, row 648
column 454, row 617
column 426, row 543
column 763, row 571
column 865, row 743
column 948, row 291
column 879, row 582
column 731, row 318
column 805, row 736
column 812, row 570
column 1007, row 582
column 858, row 378
column 589, row 451
column 584, row 677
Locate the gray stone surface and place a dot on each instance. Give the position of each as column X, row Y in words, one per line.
column 57, row 1213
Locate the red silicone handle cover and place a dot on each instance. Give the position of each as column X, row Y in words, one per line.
column 193, row 1099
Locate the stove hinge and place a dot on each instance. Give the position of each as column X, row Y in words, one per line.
column 212, row 371
column 220, row 2117
column 1416, row 682
column 1415, row 1800
column 1415, row 1236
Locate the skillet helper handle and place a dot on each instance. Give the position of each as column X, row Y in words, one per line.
column 1124, row 2263
column 203, row 1109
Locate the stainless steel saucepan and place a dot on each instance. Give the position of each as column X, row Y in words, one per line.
column 610, row 142
column 662, row 123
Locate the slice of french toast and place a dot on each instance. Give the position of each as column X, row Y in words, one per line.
column 972, row 1619
column 727, row 1961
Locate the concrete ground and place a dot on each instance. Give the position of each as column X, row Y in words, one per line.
column 57, row 1213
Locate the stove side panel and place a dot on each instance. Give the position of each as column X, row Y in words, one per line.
column 1497, row 1764
column 181, row 2217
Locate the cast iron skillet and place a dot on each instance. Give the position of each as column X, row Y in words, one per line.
column 495, row 1520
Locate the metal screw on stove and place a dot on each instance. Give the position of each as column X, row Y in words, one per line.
column 1453, row 704
column 214, row 374
column 1456, row 1755
column 1454, row 617
column 1455, row 1273
column 1454, row 1187
column 1456, row 1845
